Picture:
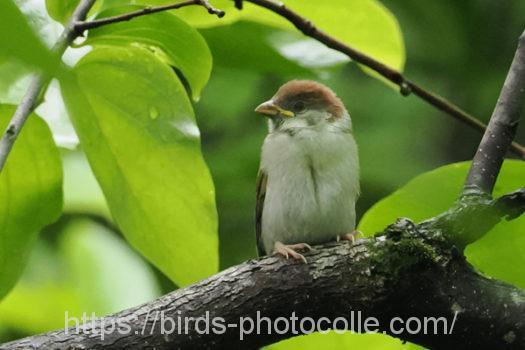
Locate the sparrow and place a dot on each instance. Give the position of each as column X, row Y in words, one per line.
column 308, row 180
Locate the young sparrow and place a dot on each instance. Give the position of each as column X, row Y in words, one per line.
column 308, row 180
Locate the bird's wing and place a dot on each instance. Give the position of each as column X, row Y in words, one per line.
column 262, row 179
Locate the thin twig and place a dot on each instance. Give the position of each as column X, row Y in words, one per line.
column 81, row 26
column 406, row 86
column 29, row 100
column 501, row 130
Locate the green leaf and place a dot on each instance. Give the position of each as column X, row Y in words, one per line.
column 232, row 47
column 88, row 250
column 19, row 42
column 333, row 340
column 364, row 24
column 30, row 194
column 174, row 41
column 143, row 145
column 61, row 10
column 82, row 193
column 497, row 254
column 197, row 16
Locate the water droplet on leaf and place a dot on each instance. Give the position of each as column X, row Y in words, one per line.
column 153, row 113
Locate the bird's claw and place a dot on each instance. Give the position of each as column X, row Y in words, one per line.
column 291, row 250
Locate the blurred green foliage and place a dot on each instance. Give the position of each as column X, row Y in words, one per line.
column 30, row 185
column 18, row 42
column 458, row 49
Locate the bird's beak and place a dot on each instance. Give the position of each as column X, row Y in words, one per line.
column 269, row 108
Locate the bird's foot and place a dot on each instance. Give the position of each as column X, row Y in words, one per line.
column 350, row 236
column 288, row 250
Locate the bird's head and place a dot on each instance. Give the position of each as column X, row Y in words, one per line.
column 304, row 104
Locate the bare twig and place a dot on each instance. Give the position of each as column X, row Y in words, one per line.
column 81, row 26
column 27, row 105
column 406, row 86
column 501, row 129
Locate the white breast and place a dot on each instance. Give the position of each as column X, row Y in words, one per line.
column 313, row 184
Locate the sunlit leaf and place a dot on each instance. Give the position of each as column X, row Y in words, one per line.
column 143, row 145
column 18, row 41
column 170, row 38
column 333, row 340
column 30, row 194
column 198, row 16
column 61, row 10
column 497, row 253
column 364, row 24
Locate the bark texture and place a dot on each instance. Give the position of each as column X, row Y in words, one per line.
column 408, row 270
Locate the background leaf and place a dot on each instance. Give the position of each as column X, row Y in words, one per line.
column 30, row 184
column 18, row 41
column 497, row 253
column 170, row 38
column 364, row 24
column 61, row 10
column 143, row 145
column 70, row 273
column 333, row 340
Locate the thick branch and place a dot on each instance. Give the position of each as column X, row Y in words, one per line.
column 406, row 86
column 81, row 26
column 407, row 271
column 501, row 129
column 29, row 100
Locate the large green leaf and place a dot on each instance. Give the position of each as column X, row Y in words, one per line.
column 198, row 16
column 18, row 41
column 233, row 47
column 497, row 253
column 174, row 41
column 30, row 194
column 333, row 340
column 364, row 24
column 61, row 10
column 136, row 125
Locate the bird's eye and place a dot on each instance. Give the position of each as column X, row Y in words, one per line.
column 299, row 106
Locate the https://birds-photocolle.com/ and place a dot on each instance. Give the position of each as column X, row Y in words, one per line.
column 308, row 180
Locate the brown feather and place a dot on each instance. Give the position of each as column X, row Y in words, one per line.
column 262, row 180
column 311, row 92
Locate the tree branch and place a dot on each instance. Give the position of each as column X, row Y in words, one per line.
column 407, row 271
column 81, row 26
column 501, row 129
column 28, row 103
column 406, row 86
